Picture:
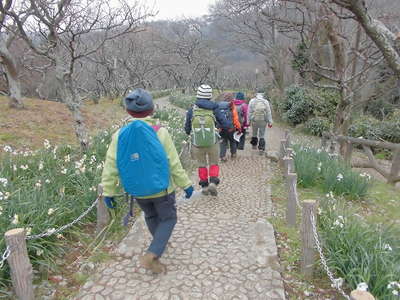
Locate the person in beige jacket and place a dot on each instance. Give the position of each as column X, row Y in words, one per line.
column 260, row 117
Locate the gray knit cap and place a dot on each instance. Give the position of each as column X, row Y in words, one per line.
column 139, row 100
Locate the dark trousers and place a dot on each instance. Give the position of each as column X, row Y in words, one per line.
column 160, row 216
column 240, row 144
column 227, row 138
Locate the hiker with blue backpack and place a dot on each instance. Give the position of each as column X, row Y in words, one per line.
column 201, row 123
column 242, row 110
column 142, row 156
column 228, row 108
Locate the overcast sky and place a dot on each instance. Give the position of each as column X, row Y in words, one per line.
column 170, row 9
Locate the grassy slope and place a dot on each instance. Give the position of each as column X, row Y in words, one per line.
column 51, row 120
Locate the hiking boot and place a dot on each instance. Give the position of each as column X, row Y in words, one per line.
column 212, row 188
column 205, row 191
column 224, row 159
column 150, row 262
column 233, row 156
column 160, row 266
column 254, row 143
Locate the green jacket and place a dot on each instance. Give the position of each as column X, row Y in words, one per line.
column 109, row 178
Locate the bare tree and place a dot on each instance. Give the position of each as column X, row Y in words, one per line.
column 252, row 25
column 8, row 61
column 387, row 41
column 67, row 31
column 129, row 62
column 188, row 57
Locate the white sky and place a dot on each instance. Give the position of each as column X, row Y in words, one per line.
column 171, row 9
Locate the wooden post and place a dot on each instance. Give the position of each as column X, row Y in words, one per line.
column 282, row 149
column 103, row 217
column 291, row 167
column 289, row 152
column 20, row 265
column 288, row 139
column 291, row 181
column 286, row 166
column 324, row 142
column 308, row 243
column 282, row 152
column 361, row 295
column 332, row 147
column 287, row 133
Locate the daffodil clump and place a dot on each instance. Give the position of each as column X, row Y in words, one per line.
column 364, row 255
column 315, row 167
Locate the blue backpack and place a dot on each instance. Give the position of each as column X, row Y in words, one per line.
column 226, row 110
column 141, row 160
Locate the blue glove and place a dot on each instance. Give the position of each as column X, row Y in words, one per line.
column 110, row 202
column 189, row 191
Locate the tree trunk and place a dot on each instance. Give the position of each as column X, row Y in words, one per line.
column 72, row 101
column 343, row 109
column 14, row 85
column 343, row 119
column 74, row 105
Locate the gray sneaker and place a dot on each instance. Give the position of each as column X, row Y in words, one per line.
column 212, row 188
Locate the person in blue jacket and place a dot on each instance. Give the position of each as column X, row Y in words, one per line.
column 208, row 177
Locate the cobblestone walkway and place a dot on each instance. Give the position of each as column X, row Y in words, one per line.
column 222, row 247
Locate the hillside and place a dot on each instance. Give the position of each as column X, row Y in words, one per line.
column 51, row 120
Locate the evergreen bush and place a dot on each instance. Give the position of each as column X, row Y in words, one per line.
column 316, row 126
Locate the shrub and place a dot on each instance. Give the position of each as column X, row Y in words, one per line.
column 325, row 103
column 316, row 126
column 373, row 129
column 379, row 108
column 301, row 103
column 297, row 107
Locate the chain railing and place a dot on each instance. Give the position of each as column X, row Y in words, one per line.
column 62, row 228
column 5, row 255
column 310, row 237
column 335, row 282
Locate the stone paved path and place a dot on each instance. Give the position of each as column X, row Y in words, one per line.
column 222, row 247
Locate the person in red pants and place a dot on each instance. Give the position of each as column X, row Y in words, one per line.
column 202, row 121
